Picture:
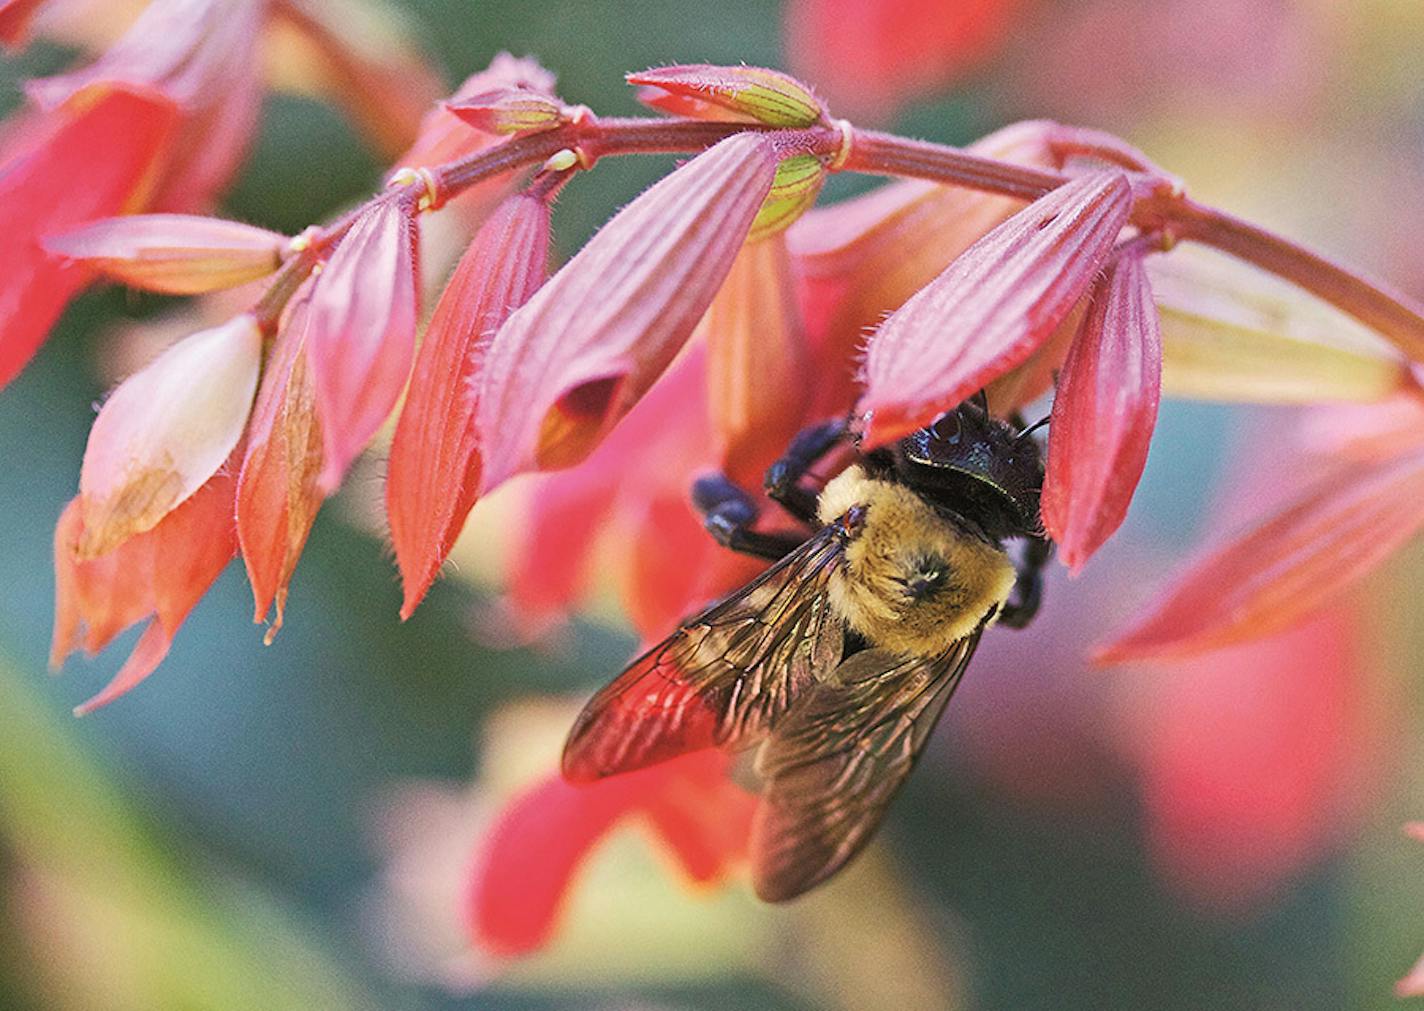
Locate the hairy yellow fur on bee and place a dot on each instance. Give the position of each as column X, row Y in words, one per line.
column 900, row 532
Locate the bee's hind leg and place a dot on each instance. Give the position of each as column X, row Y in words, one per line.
column 1027, row 593
column 729, row 514
column 783, row 477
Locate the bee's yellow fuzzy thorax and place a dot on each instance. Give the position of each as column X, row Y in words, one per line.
column 901, row 535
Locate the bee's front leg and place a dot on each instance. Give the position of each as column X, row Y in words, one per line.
column 1027, row 593
column 783, row 477
column 729, row 514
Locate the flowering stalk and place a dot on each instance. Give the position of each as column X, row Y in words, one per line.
column 1160, row 207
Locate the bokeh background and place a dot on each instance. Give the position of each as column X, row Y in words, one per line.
column 285, row 826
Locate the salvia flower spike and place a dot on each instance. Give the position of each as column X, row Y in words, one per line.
column 1104, row 411
column 361, row 337
column 177, row 254
column 748, row 94
column 433, row 475
column 165, row 431
column 573, row 359
column 993, row 306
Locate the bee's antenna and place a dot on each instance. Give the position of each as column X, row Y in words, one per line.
column 982, row 399
column 1040, row 423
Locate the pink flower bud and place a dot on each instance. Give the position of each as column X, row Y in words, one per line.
column 433, row 475
column 748, row 94
column 165, row 431
column 177, row 254
column 444, row 137
column 362, row 331
column 1104, row 412
column 993, row 306
column 277, row 492
column 161, row 573
column 508, row 110
column 572, row 361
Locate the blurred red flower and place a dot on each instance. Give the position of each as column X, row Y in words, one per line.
column 49, row 154
column 871, row 56
column 528, row 860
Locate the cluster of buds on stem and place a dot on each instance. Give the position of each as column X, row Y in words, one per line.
column 1024, row 260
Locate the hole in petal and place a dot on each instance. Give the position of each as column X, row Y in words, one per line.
column 577, row 421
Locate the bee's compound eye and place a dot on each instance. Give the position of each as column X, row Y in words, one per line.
column 947, row 428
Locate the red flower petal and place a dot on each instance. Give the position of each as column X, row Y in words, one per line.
column 277, row 492
column 176, row 254
column 530, row 858
column 869, row 56
column 201, row 54
column 756, row 361
column 532, row 854
column 1286, row 566
column 667, row 555
column 15, row 18
column 749, row 93
column 57, row 157
column 433, row 474
column 992, row 307
column 162, row 573
column 659, row 445
column 561, row 523
column 1103, row 413
column 579, row 354
column 361, row 333
column 166, row 430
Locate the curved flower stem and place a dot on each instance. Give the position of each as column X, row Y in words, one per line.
column 886, row 154
column 1391, row 314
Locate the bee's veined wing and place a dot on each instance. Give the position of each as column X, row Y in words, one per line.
column 833, row 766
column 725, row 677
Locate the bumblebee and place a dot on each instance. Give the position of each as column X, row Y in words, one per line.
column 840, row 657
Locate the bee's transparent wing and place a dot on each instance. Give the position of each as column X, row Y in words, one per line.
column 725, row 677
column 833, row 766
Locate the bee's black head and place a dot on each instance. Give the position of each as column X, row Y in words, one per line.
column 978, row 465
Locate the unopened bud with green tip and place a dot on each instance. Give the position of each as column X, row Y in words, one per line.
column 510, row 110
column 793, row 192
column 738, row 94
